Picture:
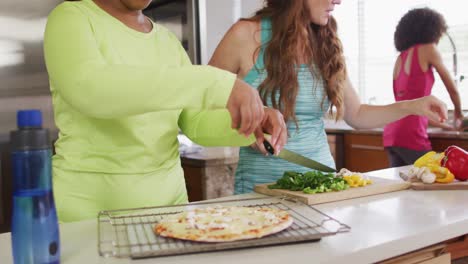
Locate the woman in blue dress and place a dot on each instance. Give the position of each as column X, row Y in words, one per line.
column 290, row 52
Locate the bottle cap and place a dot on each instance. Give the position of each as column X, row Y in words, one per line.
column 30, row 118
column 30, row 134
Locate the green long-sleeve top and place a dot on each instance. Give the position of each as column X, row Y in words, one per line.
column 120, row 95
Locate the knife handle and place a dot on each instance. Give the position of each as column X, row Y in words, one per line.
column 268, row 147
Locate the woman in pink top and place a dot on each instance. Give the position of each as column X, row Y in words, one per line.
column 416, row 37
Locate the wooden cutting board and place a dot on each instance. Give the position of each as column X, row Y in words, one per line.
column 456, row 185
column 420, row 186
column 378, row 186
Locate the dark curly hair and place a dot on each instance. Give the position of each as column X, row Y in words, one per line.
column 419, row 26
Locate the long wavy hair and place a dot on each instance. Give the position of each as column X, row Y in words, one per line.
column 294, row 38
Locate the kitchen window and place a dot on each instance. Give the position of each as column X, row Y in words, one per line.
column 366, row 29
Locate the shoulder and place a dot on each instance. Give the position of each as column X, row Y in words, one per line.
column 428, row 47
column 243, row 27
column 243, row 31
column 69, row 14
column 67, row 8
column 430, row 54
column 429, row 50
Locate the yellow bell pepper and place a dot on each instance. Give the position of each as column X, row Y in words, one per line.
column 430, row 158
column 356, row 180
column 443, row 175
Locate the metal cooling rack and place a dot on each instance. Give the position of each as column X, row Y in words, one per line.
column 128, row 233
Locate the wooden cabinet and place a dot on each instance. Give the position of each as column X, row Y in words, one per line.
column 364, row 152
column 193, row 182
column 430, row 255
column 335, row 142
column 440, row 144
column 6, row 187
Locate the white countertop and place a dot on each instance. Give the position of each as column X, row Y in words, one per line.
column 382, row 226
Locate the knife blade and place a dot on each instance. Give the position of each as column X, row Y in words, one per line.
column 299, row 159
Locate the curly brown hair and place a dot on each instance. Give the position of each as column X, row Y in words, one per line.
column 419, row 26
column 292, row 31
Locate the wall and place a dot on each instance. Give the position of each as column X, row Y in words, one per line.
column 23, row 77
column 248, row 7
column 216, row 17
column 22, row 69
column 9, row 106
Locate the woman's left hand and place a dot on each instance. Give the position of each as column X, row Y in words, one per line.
column 273, row 124
column 429, row 106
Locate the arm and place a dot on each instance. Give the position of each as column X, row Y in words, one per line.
column 229, row 56
column 82, row 77
column 363, row 116
column 236, row 53
column 211, row 128
column 435, row 59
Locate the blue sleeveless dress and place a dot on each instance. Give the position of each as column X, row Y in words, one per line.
column 309, row 139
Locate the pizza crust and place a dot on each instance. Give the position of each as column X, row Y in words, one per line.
column 224, row 224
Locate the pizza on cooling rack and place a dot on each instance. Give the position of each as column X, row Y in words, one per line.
column 224, row 223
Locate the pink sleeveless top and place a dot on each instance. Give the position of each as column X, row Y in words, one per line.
column 410, row 132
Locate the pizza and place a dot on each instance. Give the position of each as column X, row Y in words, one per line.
column 223, row 223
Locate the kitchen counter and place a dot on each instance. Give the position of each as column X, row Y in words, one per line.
column 434, row 132
column 382, row 226
column 363, row 150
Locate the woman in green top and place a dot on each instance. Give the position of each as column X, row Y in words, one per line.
column 122, row 86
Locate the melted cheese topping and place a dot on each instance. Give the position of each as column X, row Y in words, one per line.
column 221, row 222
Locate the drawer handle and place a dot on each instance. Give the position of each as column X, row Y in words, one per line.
column 366, row 147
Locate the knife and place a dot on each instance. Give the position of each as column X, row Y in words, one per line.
column 298, row 158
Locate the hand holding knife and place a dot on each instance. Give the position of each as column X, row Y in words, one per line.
column 273, row 124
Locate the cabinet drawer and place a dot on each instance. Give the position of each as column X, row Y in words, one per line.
column 364, row 152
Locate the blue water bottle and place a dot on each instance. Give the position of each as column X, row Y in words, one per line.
column 34, row 230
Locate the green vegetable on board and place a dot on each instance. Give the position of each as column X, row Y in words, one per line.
column 310, row 182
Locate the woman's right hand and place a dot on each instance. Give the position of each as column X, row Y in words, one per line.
column 246, row 108
column 429, row 106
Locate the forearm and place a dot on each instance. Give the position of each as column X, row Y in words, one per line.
column 211, row 128
column 110, row 91
column 455, row 97
column 364, row 116
column 375, row 116
column 453, row 92
column 447, row 79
